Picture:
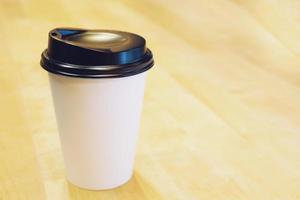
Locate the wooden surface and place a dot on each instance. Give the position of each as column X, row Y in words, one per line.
column 221, row 116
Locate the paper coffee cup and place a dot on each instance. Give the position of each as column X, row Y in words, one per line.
column 97, row 79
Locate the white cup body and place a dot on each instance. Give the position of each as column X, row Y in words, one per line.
column 98, row 122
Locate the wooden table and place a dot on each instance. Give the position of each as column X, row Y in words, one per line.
column 221, row 116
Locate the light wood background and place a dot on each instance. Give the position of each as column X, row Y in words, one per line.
column 221, row 117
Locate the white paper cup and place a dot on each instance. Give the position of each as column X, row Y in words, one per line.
column 98, row 122
column 97, row 79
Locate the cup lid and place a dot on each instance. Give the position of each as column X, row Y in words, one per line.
column 96, row 53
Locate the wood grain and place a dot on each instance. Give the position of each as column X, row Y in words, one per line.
column 221, row 116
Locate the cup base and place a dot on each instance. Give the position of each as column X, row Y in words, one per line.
column 103, row 187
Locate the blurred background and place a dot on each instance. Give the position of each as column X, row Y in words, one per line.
column 221, row 117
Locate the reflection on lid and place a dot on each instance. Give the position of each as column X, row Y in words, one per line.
column 97, row 40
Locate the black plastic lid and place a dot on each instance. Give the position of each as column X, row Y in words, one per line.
column 96, row 53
